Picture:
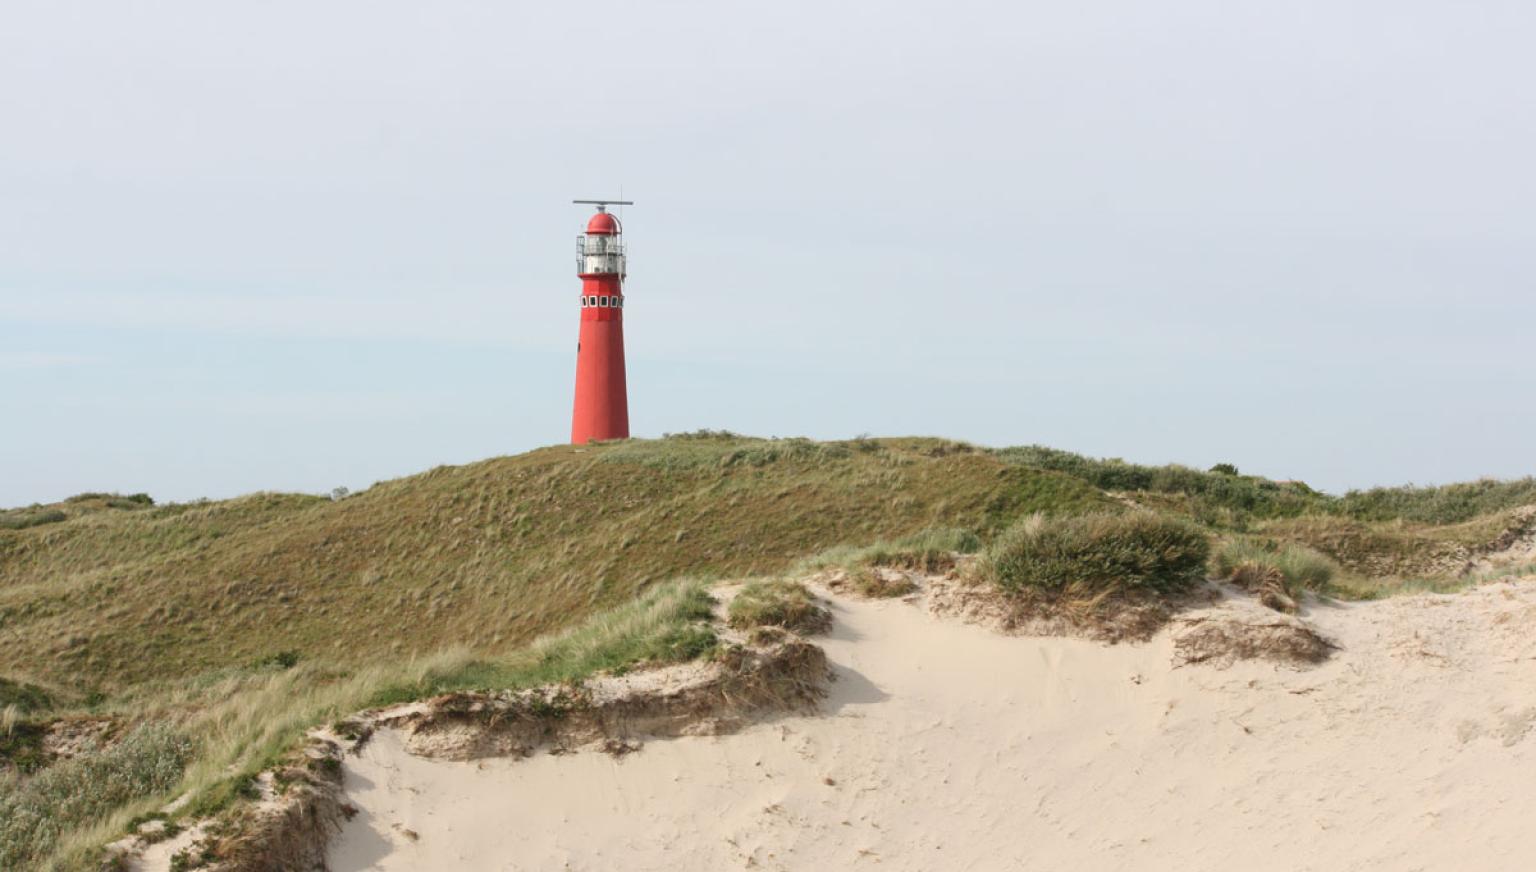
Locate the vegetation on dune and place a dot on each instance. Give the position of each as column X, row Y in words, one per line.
column 930, row 550
column 1208, row 493
column 1098, row 555
column 36, row 812
column 490, row 555
column 1300, row 566
column 240, row 722
column 868, row 569
column 778, row 603
column 21, row 519
column 1446, row 504
column 1277, row 571
column 23, row 696
column 76, row 506
column 233, row 626
column 1224, row 488
column 1394, row 549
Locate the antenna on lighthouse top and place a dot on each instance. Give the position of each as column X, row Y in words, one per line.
column 602, row 205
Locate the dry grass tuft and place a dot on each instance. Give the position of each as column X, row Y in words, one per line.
column 785, row 604
column 1223, row 641
column 878, row 582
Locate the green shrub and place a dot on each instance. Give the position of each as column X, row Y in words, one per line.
column 21, row 520
column 35, row 812
column 280, row 660
column 1247, row 493
column 1300, row 566
column 21, row 742
column 1449, row 504
column 26, row 697
column 780, row 603
column 1100, row 554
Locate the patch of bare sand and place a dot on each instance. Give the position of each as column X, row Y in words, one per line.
column 945, row 745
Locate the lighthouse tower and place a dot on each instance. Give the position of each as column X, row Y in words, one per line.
column 602, row 404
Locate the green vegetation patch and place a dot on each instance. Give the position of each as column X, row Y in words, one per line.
column 36, row 812
column 778, row 603
column 1301, row 567
column 878, row 582
column 1099, row 555
column 1447, row 504
column 21, row 743
column 25, row 697
column 718, row 448
column 667, row 624
column 21, row 519
column 1221, row 488
column 1278, row 572
column 489, row 555
column 931, row 550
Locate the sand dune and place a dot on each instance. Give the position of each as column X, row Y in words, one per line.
column 947, row 746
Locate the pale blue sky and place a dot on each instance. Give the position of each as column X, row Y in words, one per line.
column 301, row 245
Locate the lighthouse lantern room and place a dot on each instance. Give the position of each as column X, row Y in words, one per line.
column 602, row 404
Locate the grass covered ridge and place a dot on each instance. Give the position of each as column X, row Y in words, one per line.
column 490, row 555
column 236, row 625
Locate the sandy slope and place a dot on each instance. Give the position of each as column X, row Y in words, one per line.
column 947, row 746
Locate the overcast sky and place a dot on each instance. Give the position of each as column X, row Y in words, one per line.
column 300, row 245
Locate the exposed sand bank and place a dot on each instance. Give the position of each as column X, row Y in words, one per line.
column 947, row 746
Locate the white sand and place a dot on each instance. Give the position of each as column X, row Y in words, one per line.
column 945, row 746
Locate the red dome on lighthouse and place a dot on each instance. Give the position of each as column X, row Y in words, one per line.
column 603, row 223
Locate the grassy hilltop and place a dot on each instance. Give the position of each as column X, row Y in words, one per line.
column 203, row 638
column 487, row 555
column 110, row 592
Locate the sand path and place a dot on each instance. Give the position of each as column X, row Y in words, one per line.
column 945, row 746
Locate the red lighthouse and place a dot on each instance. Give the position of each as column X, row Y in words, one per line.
column 602, row 404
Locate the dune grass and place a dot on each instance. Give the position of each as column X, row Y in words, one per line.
column 241, row 623
column 240, row 722
column 1301, row 567
column 929, row 550
column 778, row 603
column 1098, row 556
column 490, row 555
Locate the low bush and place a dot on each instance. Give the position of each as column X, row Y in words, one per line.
column 21, row 742
column 34, row 813
column 26, row 697
column 1222, row 487
column 1448, row 504
column 1098, row 556
column 21, row 520
column 778, row 603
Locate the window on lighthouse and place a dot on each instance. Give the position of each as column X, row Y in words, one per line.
column 605, row 302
